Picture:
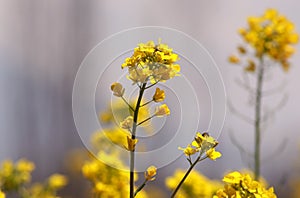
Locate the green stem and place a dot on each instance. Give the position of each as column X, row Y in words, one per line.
column 140, row 187
column 127, row 104
column 185, row 176
column 146, row 103
column 145, row 120
column 135, row 118
column 260, row 75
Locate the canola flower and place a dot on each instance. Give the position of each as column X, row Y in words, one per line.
column 203, row 145
column 269, row 38
column 16, row 177
column 107, row 181
column 152, row 63
column 149, row 64
column 196, row 185
column 240, row 185
column 13, row 176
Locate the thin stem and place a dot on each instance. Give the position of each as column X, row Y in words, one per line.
column 186, row 175
column 135, row 118
column 145, row 120
column 152, row 85
column 260, row 75
column 140, row 187
column 146, row 103
column 127, row 103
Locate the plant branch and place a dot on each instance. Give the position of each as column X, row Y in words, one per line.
column 135, row 118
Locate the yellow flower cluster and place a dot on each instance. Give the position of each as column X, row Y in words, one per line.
column 203, row 143
column 150, row 62
column 48, row 189
column 107, row 181
column 13, row 176
column 240, row 185
column 196, row 185
column 271, row 35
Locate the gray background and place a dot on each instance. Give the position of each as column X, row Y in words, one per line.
column 42, row 44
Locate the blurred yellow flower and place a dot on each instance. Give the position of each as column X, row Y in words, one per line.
column 150, row 173
column 12, row 176
column 233, row 59
column 117, row 89
column 57, row 181
column 162, row 110
column 159, row 95
column 127, row 123
column 2, row 195
column 251, row 66
column 196, row 185
column 271, row 35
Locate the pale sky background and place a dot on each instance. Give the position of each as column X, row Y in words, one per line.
column 42, row 44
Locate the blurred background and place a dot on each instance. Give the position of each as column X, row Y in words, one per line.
column 42, row 44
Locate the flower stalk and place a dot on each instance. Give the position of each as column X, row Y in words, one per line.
column 260, row 75
column 133, row 134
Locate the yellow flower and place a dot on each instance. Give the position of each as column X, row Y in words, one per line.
column 57, row 181
column 213, row 154
column 162, row 110
column 204, row 141
column 131, row 143
column 242, row 185
column 251, row 66
column 242, row 50
column 2, row 195
column 195, row 185
column 150, row 173
column 270, row 35
column 127, row 123
column 117, row 89
column 159, row 95
column 24, row 165
column 153, row 63
column 189, row 150
column 233, row 177
column 233, row 59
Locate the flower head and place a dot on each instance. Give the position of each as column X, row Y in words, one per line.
column 162, row 110
column 150, row 173
column 127, row 123
column 242, row 185
column 151, row 62
column 203, row 143
column 159, row 95
column 117, row 89
column 271, row 35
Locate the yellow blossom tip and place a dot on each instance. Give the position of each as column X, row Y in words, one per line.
column 150, row 173
column 159, row 95
column 162, row 110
